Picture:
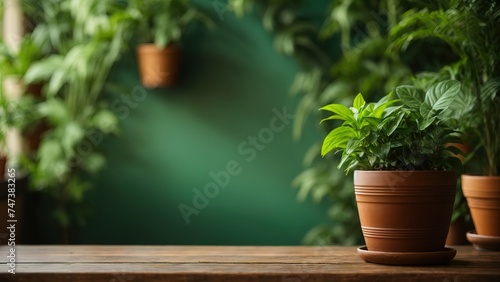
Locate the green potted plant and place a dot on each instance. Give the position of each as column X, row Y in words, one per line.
column 471, row 30
column 14, row 65
column 482, row 191
column 12, row 116
column 405, row 181
column 76, row 74
column 161, row 26
column 461, row 220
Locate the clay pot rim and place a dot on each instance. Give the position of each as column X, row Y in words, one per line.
column 406, row 173
column 405, row 183
column 480, row 187
column 480, row 176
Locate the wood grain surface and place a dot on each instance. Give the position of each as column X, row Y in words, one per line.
column 231, row 263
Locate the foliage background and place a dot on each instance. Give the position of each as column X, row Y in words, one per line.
column 232, row 78
column 330, row 51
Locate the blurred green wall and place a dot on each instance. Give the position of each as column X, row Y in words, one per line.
column 234, row 86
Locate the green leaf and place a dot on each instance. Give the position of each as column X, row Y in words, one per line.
column 73, row 134
column 342, row 111
column 94, row 162
column 426, row 111
column 43, row 70
column 337, row 138
column 383, row 151
column 54, row 109
column 50, row 150
column 455, row 150
column 454, row 163
column 410, row 96
column 423, row 124
column 52, row 165
column 490, row 89
column 441, row 95
column 373, row 121
column 394, row 124
column 332, row 117
column 390, row 110
column 352, row 146
column 345, row 158
column 105, row 120
column 76, row 189
column 59, row 77
column 358, row 102
column 352, row 165
column 305, row 180
column 383, row 104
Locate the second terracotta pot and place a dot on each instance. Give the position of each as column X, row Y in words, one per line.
column 158, row 67
column 483, row 197
column 405, row 211
column 457, row 232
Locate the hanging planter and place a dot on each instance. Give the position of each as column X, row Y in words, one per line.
column 158, row 67
column 161, row 26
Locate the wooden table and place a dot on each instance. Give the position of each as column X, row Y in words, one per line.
column 224, row 263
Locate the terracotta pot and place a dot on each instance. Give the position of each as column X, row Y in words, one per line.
column 483, row 197
column 457, row 232
column 405, row 211
column 35, row 90
column 158, row 67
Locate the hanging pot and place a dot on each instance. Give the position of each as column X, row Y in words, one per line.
column 158, row 67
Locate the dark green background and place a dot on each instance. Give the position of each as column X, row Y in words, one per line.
column 232, row 79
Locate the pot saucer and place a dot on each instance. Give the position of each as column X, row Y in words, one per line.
column 484, row 242
column 407, row 258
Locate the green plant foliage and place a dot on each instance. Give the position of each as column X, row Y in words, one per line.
column 84, row 39
column 17, row 63
column 164, row 21
column 384, row 44
column 71, row 51
column 386, row 136
column 470, row 29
